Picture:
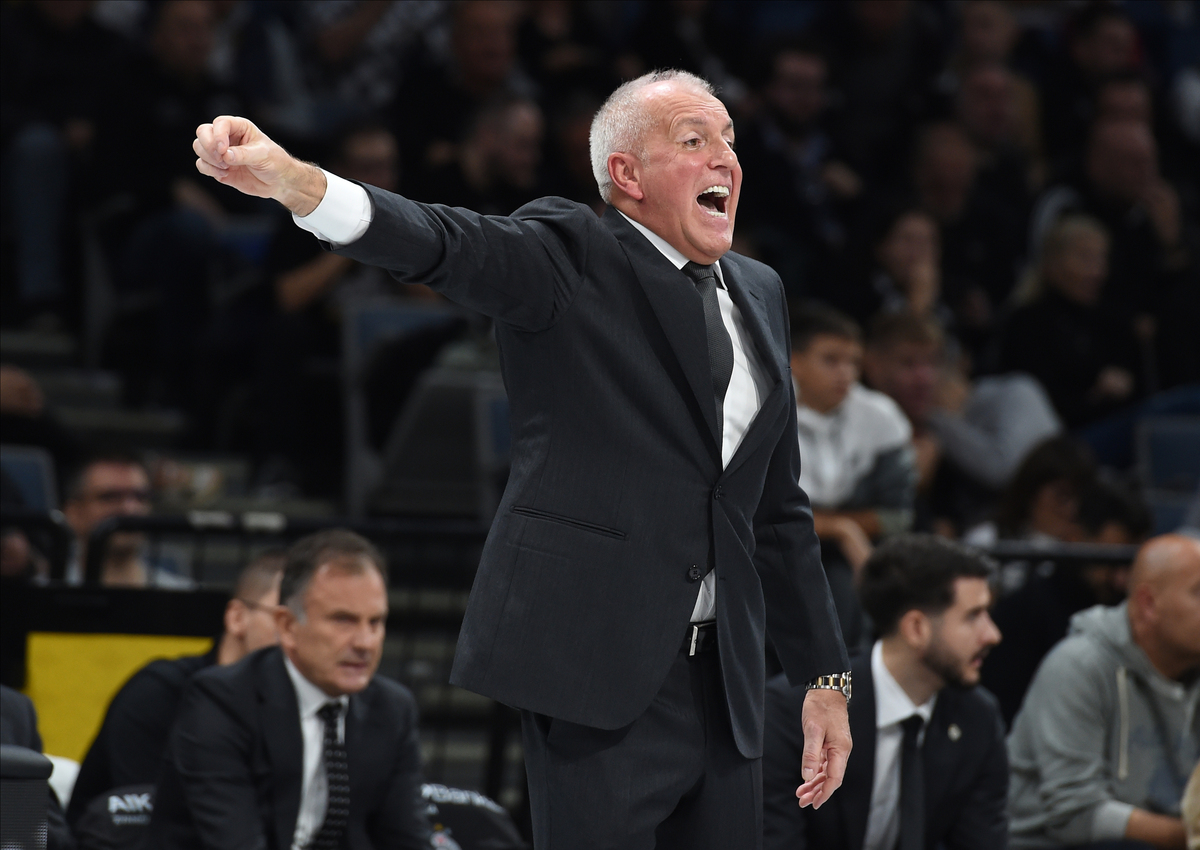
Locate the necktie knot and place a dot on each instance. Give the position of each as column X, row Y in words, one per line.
column 330, row 712
column 698, row 273
column 912, row 725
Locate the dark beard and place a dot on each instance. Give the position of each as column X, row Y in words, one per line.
column 947, row 667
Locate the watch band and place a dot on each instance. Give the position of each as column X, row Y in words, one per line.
column 835, row 682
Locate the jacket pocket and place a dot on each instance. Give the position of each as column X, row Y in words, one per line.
column 571, row 522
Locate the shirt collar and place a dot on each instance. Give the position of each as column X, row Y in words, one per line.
column 308, row 695
column 667, row 249
column 892, row 704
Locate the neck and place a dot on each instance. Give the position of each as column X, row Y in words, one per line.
column 1170, row 663
column 229, row 650
column 918, row 681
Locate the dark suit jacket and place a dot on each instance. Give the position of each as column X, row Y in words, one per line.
column 18, row 726
column 966, row 772
column 233, row 775
column 617, row 501
column 132, row 741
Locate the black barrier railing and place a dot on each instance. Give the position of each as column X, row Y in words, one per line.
column 455, row 543
column 1067, row 554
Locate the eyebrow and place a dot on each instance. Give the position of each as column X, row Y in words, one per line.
column 700, row 122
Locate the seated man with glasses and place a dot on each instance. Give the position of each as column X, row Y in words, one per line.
column 106, row 486
column 130, row 745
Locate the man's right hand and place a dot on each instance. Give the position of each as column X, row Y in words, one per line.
column 233, row 151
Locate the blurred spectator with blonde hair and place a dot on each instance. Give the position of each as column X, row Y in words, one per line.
column 1062, row 333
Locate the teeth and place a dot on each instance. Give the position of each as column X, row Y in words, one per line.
column 723, row 191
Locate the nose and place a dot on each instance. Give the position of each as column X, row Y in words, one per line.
column 724, row 155
column 992, row 635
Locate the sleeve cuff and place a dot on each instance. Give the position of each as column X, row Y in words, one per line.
column 1110, row 819
column 343, row 215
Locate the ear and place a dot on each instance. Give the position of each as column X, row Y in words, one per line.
column 915, row 629
column 285, row 624
column 235, row 618
column 1144, row 604
column 625, row 172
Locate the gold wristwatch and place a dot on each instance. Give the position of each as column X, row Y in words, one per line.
column 836, row 682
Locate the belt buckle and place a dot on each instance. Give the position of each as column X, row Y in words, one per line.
column 695, row 637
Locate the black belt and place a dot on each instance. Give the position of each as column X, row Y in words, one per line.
column 700, row 637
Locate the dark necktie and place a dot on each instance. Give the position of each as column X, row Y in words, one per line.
column 912, row 788
column 720, row 346
column 337, row 776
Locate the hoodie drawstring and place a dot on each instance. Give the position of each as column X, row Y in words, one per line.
column 1123, row 701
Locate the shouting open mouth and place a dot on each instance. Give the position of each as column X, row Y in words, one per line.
column 713, row 200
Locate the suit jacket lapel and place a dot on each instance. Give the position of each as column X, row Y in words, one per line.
column 284, row 744
column 679, row 310
column 854, row 796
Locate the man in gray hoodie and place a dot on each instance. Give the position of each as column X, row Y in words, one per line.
column 1110, row 729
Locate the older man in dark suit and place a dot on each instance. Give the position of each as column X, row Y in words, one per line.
column 929, row 767
column 300, row 746
column 653, row 503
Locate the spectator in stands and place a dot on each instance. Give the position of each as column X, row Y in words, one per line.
column 1081, row 350
column 483, row 66
column 905, row 268
column 996, row 107
column 59, row 71
column 18, row 727
column 988, row 425
column 106, row 486
column 1153, row 254
column 497, row 167
column 796, row 207
column 860, row 473
column 1041, row 502
column 1101, row 41
column 901, row 360
column 884, row 57
column 562, row 44
column 915, row 703
column 132, row 742
column 1102, row 748
column 353, row 54
column 982, row 238
column 301, row 745
column 1037, row 615
column 162, row 229
column 690, row 36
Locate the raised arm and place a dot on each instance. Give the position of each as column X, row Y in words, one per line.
column 233, row 151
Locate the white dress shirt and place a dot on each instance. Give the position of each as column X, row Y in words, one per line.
column 892, row 706
column 344, row 214
column 314, row 790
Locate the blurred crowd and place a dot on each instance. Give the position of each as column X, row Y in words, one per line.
column 1017, row 181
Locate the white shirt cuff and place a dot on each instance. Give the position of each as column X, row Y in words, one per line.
column 343, row 215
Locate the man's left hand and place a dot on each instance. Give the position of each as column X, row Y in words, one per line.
column 827, row 746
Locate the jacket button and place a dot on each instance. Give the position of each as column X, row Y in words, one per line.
column 718, row 492
column 695, row 574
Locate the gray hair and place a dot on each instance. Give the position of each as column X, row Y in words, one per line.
column 621, row 124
